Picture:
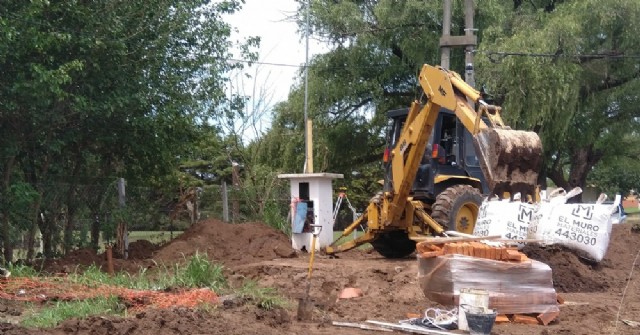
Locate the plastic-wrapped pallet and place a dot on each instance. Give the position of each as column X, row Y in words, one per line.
column 514, row 288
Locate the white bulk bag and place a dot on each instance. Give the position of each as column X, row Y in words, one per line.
column 546, row 205
column 509, row 219
column 582, row 226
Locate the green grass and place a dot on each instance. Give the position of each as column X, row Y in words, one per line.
column 263, row 297
column 197, row 272
column 54, row 314
column 366, row 246
column 18, row 270
column 632, row 210
column 93, row 276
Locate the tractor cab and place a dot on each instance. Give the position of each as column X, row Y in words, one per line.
column 450, row 157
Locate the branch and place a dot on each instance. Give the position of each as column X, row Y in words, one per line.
column 387, row 93
column 556, row 174
column 609, row 84
column 347, row 111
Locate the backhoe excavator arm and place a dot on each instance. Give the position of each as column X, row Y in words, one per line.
column 395, row 209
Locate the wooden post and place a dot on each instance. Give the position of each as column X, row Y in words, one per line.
column 125, row 231
column 309, row 162
column 109, row 258
column 225, row 203
column 236, row 190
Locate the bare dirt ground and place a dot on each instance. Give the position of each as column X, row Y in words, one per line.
column 596, row 295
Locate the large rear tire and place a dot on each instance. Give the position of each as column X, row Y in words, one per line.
column 457, row 207
column 394, row 244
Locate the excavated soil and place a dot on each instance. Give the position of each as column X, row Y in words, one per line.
column 598, row 296
column 230, row 244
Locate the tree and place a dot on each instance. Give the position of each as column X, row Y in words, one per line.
column 378, row 48
column 572, row 79
column 619, row 175
column 569, row 73
column 133, row 80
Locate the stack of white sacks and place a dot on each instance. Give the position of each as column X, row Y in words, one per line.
column 581, row 226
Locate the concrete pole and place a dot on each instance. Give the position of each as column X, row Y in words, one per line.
column 445, row 52
column 469, row 30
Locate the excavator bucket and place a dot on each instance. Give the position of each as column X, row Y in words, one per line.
column 510, row 160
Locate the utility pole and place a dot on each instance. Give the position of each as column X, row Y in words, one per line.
column 445, row 50
column 469, row 40
column 469, row 32
column 308, row 162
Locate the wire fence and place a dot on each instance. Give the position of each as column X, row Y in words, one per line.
column 74, row 214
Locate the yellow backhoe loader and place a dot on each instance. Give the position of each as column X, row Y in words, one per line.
column 509, row 161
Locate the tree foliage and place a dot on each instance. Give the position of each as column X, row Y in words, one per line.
column 94, row 90
column 570, row 72
column 565, row 69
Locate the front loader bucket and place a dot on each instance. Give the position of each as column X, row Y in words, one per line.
column 510, row 160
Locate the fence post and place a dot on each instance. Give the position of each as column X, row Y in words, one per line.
column 124, row 239
column 225, row 203
column 235, row 216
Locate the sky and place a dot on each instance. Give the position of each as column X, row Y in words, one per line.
column 281, row 54
column 280, row 42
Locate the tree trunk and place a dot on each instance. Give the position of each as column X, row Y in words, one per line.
column 34, row 229
column 582, row 160
column 6, row 225
column 47, row 236
column 69, row 227
column 7, row 248
column 95, row 231
column 31, row 241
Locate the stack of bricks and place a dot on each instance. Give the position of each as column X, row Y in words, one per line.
column 473, row 249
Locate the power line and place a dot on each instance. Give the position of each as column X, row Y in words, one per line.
column 502, row 54
column 490, row 54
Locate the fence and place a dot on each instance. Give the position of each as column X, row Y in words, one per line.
column 71, row 222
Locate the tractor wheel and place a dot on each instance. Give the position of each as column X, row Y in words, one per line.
column 394, row 244
column 456, row 208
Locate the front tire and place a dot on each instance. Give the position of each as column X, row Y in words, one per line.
column 457, row 207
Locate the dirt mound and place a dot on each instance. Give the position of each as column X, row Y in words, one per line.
column 79, row 260
column 573, row 273
column 570, row 272
column 69, row 263
column 227, row 243
column 222, row 242
column 141, row 249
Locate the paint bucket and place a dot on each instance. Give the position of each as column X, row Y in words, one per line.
column 481, row 323
column 473, row 298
